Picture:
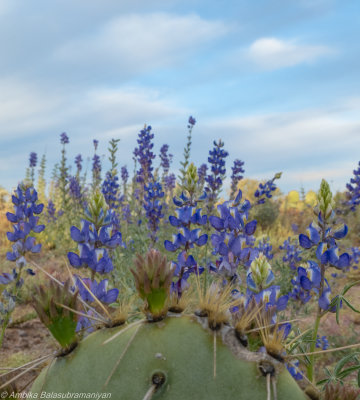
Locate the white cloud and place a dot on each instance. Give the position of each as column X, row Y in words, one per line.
column 26, row 109
column 272, row 53
column 306, row 145
column 137, row 42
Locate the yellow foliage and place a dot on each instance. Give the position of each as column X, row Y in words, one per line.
column 310, row 198
column 293, row 197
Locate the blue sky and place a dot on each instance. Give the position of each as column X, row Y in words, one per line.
column 276, row 80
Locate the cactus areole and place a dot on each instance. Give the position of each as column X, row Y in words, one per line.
column 178, row 358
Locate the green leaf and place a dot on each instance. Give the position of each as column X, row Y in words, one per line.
column 347, row 302
column 348, row 371
column 349, row 286
column 340, row 365
column 322, row 382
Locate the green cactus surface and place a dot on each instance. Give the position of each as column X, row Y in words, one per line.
column 177, row 358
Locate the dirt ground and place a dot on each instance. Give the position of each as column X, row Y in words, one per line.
column 23, row 343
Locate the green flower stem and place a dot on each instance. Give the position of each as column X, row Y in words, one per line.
column 8, row 315
column 319, row 315
column 310, row 367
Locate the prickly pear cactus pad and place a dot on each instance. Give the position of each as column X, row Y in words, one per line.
column 178, row 358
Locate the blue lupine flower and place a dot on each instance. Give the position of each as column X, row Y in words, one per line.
column 236, row 176
column 202, row 171
column 24, row 221
column 184, row 267
column 144, row 155
column 311, row 239
column 97, row 260
column 153, row 207
column 165, row 158
column 64, row 139
column 32, row 160
column 124, row 175
column 232, row 242
column 322, row 343
column 192, row 121
column 293, row 368
column 170, row 182
column 126, row 214
column 327, row 250
column 97, row 289
column 292, row 256
column 309, row 276
column 186, row 238
column 215, row 179
column 266, row 190
column 6, row 278
column 324, row 299
column 78, row 162
column 110, row 189
column 93, row 241
column 270, row 297
column 75, row 189
column 187, row 215
column 96, row 166
column 353, row 193
column 265, row 248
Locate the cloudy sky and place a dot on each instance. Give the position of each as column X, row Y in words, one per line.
column 277, row 80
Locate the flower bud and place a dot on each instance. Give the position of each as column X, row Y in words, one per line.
column 153, row 276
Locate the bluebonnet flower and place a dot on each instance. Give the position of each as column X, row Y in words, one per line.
column 236, row 176
column 293, row 368
column 165, row 158
column 99, row 290
column 124, row 175
column 202, row 171
column 24, row 221
column 63, row 179
column 126, row 213
column 183, row 268
column 322, row 343
column 324, row 238
column 110, row 188
column 94, row 238
column 64, row 139
column 75, row 189
column 215, row 179
column 292, row 256
column 271, row 298
column 153, row 208
column 353, row 193
column 170, row 182
column 78, row 163
column 232, row 240
column 96, row 168
column 265, row 248
column 355, row 257
column 266, row 190
column 191, row 122
column 144, row 155
column 51, row 210
column 33, row 160
column 187, row 215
